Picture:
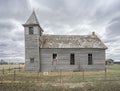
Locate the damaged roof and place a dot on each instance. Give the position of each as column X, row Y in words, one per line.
column 72, row 41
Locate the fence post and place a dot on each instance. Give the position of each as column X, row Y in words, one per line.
column 105, row 73
column 61, row 76
column 14, row 75
column 83, row 75
column 38, row 76
column 19, row 67
column 80, row 76
column 1, row 79
column 9, row 69
column 3, row 71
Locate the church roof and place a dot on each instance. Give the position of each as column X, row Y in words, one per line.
column 32, row 19
column 72, row 41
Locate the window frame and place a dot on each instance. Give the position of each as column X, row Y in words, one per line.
column 72, row 59
column 90, row 59
column 32, row 60
column 54, row 56
column 31, row 30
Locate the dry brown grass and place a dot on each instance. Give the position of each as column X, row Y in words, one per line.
column 61, row 81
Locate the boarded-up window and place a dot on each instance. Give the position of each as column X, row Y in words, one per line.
column 90, row 59
column 31, row 30
column 72, row 59
column 31, row 60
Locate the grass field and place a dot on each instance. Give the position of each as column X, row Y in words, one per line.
column 15, row 76
column 7, row 66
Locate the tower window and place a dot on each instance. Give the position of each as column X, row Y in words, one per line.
column 31, row 60
column 31, row 30
column 90, row 59
column 72, row 59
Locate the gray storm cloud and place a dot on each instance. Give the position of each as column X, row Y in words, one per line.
column 59, row 17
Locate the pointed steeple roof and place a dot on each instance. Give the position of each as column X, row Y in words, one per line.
column 32, row 19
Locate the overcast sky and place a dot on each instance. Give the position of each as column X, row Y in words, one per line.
column 59, row 17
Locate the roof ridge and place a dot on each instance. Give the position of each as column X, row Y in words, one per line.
column 64, row 35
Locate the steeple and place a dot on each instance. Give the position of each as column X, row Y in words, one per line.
column 32, row 20
column 33, row 39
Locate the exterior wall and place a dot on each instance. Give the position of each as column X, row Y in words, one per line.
column 63, row 59
column 43, row 57
column 32, row 49
column 43, row 60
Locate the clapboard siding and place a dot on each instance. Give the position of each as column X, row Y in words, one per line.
column 63, row 59
column 32, row 49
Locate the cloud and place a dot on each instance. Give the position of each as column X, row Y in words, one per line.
column 113, row 30
column 14, row 9
column 59, row 17
column 11, row 36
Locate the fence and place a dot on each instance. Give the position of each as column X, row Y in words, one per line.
column 17, row 74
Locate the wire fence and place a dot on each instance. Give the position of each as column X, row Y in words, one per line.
column 17, row 74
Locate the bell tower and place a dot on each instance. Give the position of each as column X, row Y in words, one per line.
column 32, row 33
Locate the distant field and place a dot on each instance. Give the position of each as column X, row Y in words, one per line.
column 11, row 66
column 115, row 67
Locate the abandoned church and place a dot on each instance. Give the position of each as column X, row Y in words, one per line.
column 45, row 53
